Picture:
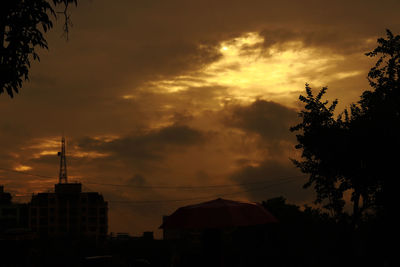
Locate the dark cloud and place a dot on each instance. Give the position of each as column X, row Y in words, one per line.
column 79, row 81
column 272, row 174
column 137, row 180
column 347, row 42
column 270, row 120
column 166, row 40
column 146, row 146
column 182, row 117
column 272, row 178
column 202, row 175
column 50, row 160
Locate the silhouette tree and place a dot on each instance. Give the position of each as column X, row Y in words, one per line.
column 377, row 114
column 318, row 130
column 355, row 150
column 306, row 236
column 22, row 27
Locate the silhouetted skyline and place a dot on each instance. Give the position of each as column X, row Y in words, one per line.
column 166, row 100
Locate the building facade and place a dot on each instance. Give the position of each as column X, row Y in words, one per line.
column 13, row 216
column 69, row 212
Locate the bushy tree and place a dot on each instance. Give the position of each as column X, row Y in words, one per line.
column 317, row 140
column 357, row 150
column 23, row 24
column 377, row 116
column 306, row 236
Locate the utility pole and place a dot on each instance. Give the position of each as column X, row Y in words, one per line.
column 63, row 163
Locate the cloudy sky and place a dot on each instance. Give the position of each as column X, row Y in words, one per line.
column 170, row 103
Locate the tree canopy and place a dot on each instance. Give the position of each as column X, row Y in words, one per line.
column 23, row 24
column 355, row 151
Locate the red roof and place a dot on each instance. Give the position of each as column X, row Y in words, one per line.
column 218, row 213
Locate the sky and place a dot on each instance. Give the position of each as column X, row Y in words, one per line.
column 170, row 103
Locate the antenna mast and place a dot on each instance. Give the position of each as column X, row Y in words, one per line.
column 63, row 163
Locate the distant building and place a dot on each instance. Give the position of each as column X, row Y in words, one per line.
column 13, row 216
column 69, row 212
column 5, row 198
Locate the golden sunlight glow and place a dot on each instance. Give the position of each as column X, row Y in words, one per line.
column 344, row 75
column 250, row 70
column 45, row 153
column 51, row 146
column 106, row 137
column 46, row 143
column 22, row 168
column 83, row 154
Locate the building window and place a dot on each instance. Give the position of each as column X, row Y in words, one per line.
column 43, row 221
column 9, row 212
column 43, row 212
column 102, row 211
column 92, row 220
column 92, row 211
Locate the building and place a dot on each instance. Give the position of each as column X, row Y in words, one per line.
column 219, row 232
column 13, row 216
column 69, row 212
column 5, row 198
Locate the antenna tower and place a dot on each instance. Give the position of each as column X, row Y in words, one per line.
column 63, row 163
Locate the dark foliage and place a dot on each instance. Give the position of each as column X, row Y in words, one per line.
column 319, row 143
column 355, row 151
column 23, row 24
column 310, row 237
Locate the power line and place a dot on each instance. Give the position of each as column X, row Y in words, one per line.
column 27, row 173
column 193, row 187
column 130, row 202
column 198, row 198
column 160, row 186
